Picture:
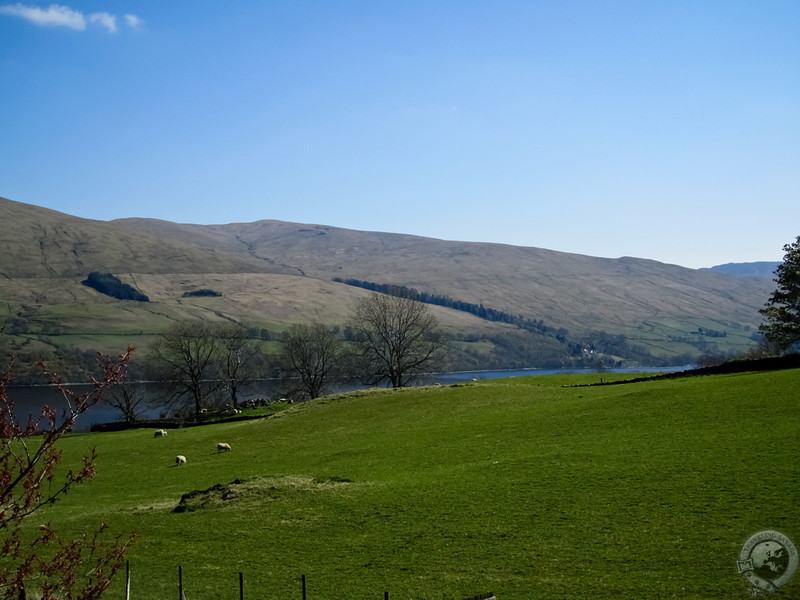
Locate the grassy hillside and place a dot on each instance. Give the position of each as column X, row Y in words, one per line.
column 522, row 487
column 38, row 242
column 61, row 312
column 663, row 311
column 566, row 290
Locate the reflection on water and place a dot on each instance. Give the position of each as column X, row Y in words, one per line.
column 29, row 400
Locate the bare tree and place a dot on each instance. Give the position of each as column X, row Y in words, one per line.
column 185, row 358
column 397, row 338
column 310, row 352
column 128, row 398
column 29, row 480
column 237, row 360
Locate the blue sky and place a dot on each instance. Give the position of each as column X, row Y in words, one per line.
column 663, row 130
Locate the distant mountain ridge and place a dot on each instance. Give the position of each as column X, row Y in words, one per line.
column 271, row 273
column 39, row 242
column 748, row 269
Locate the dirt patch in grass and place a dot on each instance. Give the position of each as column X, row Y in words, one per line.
column 256, row 490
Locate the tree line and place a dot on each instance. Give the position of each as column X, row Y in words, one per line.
column 514, row 351
column 479, row 310
column 206, row 365
column 110, row 285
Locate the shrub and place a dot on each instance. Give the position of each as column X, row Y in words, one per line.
column 200, row 293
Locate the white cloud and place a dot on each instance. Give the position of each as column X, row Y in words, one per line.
column 54, row 15
column 105, row 20
column 133, row 21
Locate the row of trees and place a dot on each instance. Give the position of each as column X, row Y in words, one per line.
column 198, row 360
column 391, row 338
column 479, row 310
column 394, row 338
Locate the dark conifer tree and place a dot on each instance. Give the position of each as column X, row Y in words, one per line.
column 782, row 311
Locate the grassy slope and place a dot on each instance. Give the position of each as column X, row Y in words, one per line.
column 43, row 254
column 64, row 312
column 61, row 311
column 564, row 289
column 520, row 486
column 38, row 242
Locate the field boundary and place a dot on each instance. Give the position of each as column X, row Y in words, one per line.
column 773, row 363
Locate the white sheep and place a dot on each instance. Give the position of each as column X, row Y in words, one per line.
column 160, row 433
column 180, row 460
column 222, row 446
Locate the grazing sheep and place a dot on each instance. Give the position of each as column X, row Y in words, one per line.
column 180, row 460
column 160, row 433
column 223, row 447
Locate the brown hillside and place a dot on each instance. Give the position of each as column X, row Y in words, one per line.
column 665, row 310
column 37, row 242
column 566, row 290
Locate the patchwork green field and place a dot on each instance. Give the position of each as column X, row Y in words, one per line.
column 526, row 487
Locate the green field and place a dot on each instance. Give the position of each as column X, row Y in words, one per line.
column 522, row 487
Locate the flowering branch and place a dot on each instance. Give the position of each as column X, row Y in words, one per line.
column 78, row 569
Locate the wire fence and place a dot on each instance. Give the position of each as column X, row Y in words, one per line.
column 181, row 595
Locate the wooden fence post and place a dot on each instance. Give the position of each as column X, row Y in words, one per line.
column 241, row 585
column 304, row 587
column 180, row 582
